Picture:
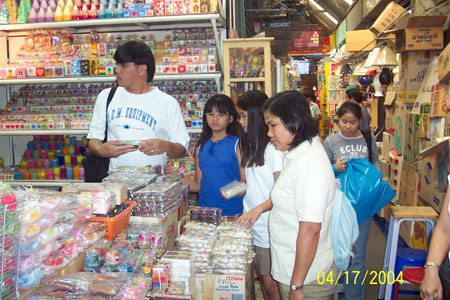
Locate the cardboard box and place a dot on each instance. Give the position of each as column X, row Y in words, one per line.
column 384, row 168
column 388, row 140
column 419, row 33
column 386, row 211
column 424, row 120
column 411, row 142
column 224, row 287
column 408, row 186
column 360, row 40
column 395, row 169
column 387, row 17
column 444, row 64
column 415, row 233
column 120, row 190
column 433, row 172
column 400, row 124
column 172, row 225
column 413, row 67
column 439, row 100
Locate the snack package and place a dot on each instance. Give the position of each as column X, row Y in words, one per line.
column 233, row 189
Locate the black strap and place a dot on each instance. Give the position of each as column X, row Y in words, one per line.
column 368, row 137
column 110, row 96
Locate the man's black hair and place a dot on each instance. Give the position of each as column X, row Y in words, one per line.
column 138, row 53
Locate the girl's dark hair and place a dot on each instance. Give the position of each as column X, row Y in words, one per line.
column 294, row 112
column 355, row 94
column 253, row 144
column 138, row 53
column 223, row 105
column 350, row 107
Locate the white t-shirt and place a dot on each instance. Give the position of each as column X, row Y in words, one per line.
column 259, row 184
column 153, row 115
column 304, row 191
column 315, row 110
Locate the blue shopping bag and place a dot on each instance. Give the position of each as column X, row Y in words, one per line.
column 367, row 191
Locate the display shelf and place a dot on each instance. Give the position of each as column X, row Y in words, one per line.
column 43, row 132
column 62, row 132
column 194, row 130
column 161, row 22
column 249, row 79
column 245, row 45
column 41, row 182
column 214, row 20
column 216, row 76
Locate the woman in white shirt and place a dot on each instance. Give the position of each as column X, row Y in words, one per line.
column 262, row 164
column 438, row 254
column 302, row 198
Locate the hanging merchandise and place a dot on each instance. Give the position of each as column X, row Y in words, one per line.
column 365, row 80
column 377, row 85
column 386, row 76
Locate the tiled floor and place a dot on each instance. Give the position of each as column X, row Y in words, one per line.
column 375, row 255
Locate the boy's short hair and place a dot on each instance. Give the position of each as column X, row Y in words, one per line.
column 355, row 94
column 138, row 53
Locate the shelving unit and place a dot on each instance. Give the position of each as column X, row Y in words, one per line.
column 242, row 44
column 216, row 21
column 45, row 183
column 216, row 76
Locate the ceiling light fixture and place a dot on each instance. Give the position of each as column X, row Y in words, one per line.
column 327, row 14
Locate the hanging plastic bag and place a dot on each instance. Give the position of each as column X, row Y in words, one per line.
column 367, row 191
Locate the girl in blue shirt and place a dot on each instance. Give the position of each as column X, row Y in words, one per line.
column 217, row 157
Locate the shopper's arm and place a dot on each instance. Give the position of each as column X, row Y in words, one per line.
column 159, row 146
column 109, row 149
column 241, row 169
column 249, row 218
column 194, row 185
column 440, row 245
column 307, row 241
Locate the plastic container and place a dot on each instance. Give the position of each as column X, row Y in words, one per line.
column 115, row 225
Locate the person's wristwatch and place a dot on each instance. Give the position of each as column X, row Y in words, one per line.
column 296, row 287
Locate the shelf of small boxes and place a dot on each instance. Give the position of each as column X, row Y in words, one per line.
column 190, row 51
column 53, row 12
column 50, row 107
column 50, row 157
column 192, row 96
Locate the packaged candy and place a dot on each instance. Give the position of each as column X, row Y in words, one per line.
column 233, row 189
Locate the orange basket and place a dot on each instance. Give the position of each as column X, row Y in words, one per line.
column 115, row 225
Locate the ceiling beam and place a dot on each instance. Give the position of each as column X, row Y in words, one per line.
column 328, row 9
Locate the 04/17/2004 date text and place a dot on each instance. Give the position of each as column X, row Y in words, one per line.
column 355, row 277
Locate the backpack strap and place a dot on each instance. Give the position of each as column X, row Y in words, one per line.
column 110, row 96
column 368, row 137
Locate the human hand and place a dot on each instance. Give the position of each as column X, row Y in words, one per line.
column 431, row 287
column 249, row 218
column 114, row 149
column 296, row 295
column 341, row 165
column 169, row 168
column 153, row 146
